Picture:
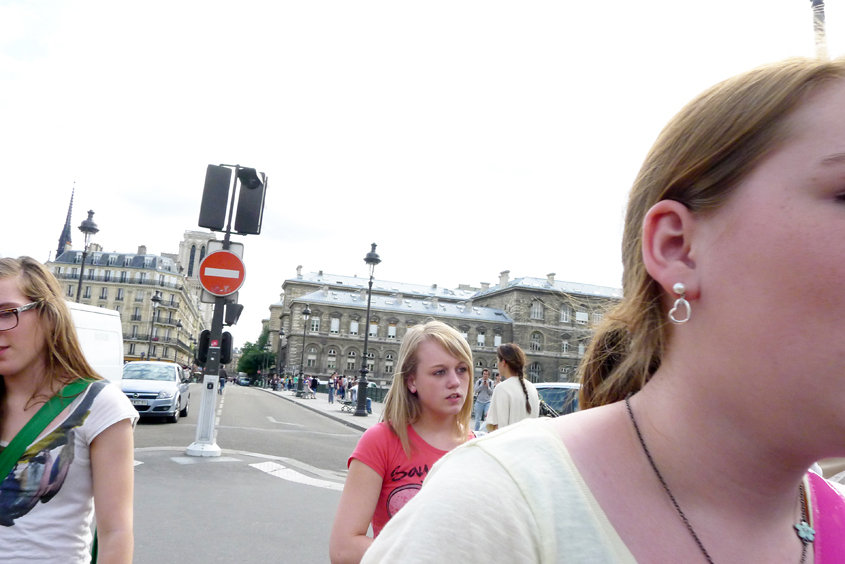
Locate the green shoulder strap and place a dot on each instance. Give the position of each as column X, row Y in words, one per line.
column 35, row 426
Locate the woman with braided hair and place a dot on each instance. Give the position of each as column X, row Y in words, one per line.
column 514, row 399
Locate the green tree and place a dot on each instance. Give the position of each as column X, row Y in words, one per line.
column 254, row 358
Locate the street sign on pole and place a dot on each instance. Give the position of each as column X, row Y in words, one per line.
column 222, row 273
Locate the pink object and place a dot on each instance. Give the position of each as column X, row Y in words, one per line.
column 828, row 521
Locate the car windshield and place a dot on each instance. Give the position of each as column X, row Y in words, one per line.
column 147, row 372
column 562, row 400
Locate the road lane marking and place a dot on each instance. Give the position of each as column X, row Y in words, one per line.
column 272, row 420
column 290, row 475
column 195, row 460
column 137, row 462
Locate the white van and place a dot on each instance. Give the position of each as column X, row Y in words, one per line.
column 101, row 336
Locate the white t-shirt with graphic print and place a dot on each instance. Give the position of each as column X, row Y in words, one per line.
column 47, row 500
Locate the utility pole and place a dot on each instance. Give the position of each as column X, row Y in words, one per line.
column 819, row 29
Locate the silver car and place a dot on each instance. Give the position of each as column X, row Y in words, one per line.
column 157, row 389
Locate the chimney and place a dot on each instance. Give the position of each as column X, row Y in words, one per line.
column 320, row 273
column 325, row 291
column 434, row 286
column 362, row 293
column 434, row 301
column 399, row 299
column 299, row 271
column 550, row 278
column 469, row 304
column 503, row 278
column 142, row 249
column 485, row 286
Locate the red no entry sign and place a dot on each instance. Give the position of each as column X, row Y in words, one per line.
column 222, row 273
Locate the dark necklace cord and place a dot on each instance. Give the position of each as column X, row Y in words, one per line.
column 805, row 538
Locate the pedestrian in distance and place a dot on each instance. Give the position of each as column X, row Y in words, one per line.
column 514, row 399
column 484, row 392
column 426, row 414
column 331, row 385
column 221, row 378
column 66, row 432
column 697, row 424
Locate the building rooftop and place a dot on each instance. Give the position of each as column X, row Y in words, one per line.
column 421, row 291
column 557, row 285
column 104, row 259
column 425, row 306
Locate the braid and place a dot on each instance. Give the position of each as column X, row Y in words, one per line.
column 525, row 390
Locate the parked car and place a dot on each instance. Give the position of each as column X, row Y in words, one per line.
column 157, row 389
column 243, row 381
column 561, row 397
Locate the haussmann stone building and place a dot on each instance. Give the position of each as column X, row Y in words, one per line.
column 551, row 320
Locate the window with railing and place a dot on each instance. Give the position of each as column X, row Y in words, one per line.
column 119, row 294
column 70, row 291
column 104, row 293
column 87, row 292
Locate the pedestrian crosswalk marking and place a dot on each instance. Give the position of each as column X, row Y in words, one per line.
column 279, row 471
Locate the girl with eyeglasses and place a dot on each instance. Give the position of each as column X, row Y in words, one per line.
column 83, row 456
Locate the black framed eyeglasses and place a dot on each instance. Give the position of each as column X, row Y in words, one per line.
column 9, row 318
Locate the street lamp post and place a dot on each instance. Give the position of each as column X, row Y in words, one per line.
column 306, row 315
column 372, row 259
column 156, row 299
column 89, row 228
column 264, row 364
column 176, row 347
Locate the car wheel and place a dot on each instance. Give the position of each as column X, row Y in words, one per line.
column 184, row 412
column 175, row 417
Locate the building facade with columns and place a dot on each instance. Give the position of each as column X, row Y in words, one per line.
column 549, row 319
column 126, row 283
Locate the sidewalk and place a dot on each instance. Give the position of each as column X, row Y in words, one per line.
column 322, row 406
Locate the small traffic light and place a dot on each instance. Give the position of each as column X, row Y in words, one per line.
column 232, row 314
column 226, row 348
column 202, row 348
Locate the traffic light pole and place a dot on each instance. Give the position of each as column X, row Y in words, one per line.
column 205, row 443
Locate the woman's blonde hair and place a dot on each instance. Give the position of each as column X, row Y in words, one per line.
column 699, row 159
column 65, row 361
column 402, row 408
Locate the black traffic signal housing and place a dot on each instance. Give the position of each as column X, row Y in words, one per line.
column 215, row 197
column 201, row 356
column 226, row 348
column 250, row 210
column 232, row 313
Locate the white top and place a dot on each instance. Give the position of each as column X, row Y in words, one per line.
column 47, row 500
column 508, row 403
column 524, row 486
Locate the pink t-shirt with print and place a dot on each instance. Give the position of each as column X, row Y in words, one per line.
column 380, row 449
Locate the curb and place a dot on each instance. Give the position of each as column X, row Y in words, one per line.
column 337, row 418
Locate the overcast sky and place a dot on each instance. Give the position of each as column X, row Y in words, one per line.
column 464, row 137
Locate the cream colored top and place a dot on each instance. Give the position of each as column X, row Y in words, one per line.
column 511, row 496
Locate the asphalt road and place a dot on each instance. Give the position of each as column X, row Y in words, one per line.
column 270, row 497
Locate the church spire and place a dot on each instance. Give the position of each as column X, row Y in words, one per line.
column 64, row 239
